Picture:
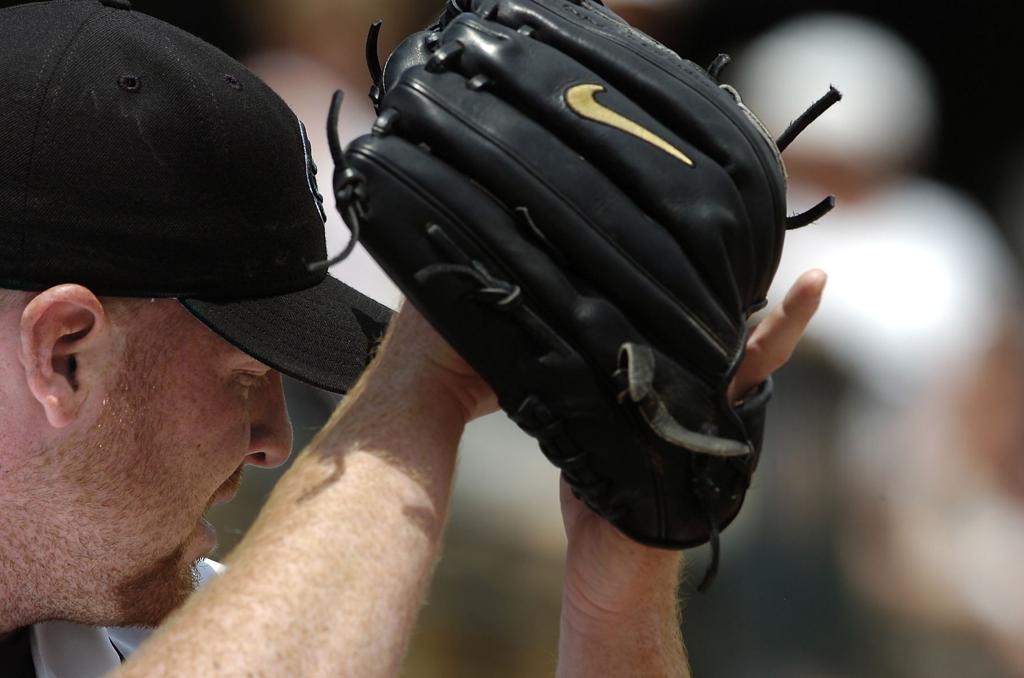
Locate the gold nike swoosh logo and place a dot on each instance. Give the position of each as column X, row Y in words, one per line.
column 581, row 99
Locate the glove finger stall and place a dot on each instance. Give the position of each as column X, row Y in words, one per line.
column 678, row 186
column 579, row 212
column 684, row 98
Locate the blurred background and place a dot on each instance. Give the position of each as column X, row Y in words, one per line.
column 884, row 534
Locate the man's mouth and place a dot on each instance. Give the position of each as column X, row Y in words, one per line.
column 228, row 490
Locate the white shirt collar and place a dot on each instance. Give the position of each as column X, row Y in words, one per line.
column 67, row 650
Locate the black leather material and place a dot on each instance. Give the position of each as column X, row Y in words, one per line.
column 753, row 411
column 596, row 281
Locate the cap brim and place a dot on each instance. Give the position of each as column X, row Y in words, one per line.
column 322, row 335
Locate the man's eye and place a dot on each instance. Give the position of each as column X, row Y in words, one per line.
column 253, row 380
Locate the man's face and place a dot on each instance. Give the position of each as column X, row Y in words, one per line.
column 127, row 493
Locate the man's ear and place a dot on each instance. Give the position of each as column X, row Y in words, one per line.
column 65, row 337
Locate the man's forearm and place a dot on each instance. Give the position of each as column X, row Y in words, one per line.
column 331, row 576
column 608, row 636
column 649, row 645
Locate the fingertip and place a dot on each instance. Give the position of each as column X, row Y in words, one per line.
column 815, row 278
column 810, row 287
column 805, row 295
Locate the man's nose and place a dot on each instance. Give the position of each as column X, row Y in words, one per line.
column 270, row 430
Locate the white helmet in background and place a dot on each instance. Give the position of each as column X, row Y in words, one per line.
column 889, row 108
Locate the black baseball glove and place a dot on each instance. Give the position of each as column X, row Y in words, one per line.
column 589, row 220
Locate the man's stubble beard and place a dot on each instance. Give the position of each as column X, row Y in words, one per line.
column 157, row 588
column 149, row 590
column 155, row 591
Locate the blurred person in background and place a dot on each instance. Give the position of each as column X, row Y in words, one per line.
column 922, row 326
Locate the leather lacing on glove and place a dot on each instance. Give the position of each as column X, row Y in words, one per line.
column 635, row 372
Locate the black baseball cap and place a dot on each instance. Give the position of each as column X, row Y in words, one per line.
column 140, row 161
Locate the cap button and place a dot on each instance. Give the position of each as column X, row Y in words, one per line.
column 117, row 4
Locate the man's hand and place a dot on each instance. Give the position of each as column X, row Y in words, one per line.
column 451, row 373
column 619, row 608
